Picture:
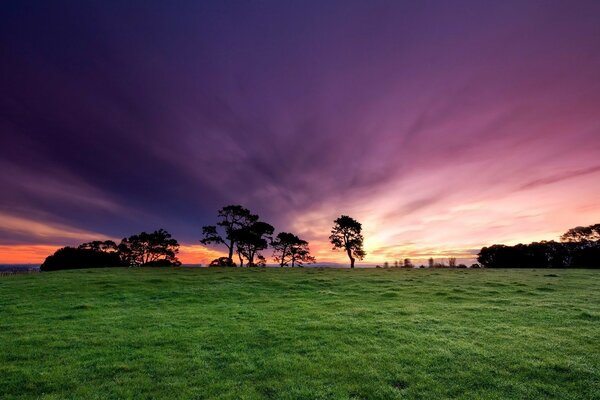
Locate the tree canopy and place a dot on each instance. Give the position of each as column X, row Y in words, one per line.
column 231, row 219
column 78, row 258
column 346, row 234
column 251, row 240
column 582, row 234
column 579, row 248
column 289, row 249
column 156, row 248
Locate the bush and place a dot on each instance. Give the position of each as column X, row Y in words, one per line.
column 222, row 262
column 162, row 263
column 74, row 258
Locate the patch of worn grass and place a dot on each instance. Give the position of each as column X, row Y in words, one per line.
column 300, row 334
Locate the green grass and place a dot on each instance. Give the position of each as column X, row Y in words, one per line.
column 300, row 334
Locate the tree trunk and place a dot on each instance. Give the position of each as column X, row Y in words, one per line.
column 231, row 252
column 350, row 257
column 283, row 256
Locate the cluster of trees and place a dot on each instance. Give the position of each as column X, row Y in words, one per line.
column 578, row 248
column 431, row 263
column 246, row 236
column 238, row 229
column 157, row 248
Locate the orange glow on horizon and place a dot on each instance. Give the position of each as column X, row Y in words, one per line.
column 26, row 254
column 198, row 254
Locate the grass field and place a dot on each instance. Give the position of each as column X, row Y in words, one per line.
column 300, row 334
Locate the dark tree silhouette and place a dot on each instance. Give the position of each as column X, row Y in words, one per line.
column 261, row 261
column 579, row 248
column 346, row 234
column 542, row 255
column 251, row 239
column 156, row 248
column 221, row 262
column 582, row 234
column 231, row 218
column 77, row 258
column 290, row 249
column 107, row 246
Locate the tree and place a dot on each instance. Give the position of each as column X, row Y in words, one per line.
column 231, row 218
column 582, row 234
column 290, row 249
column 156, row 248
column 542, row 255
column 221, row 262
column 430, row 262
column 346, row 234
column 106, row 246
column 452, row 262
column 77, row 258
column 252, row 239
column 261, row 261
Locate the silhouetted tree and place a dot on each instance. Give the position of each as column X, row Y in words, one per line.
column 582, row 234
column 452, row 262
column 252, row 239
column 290, row 249
column 107, row 246
column 231, row 218
column 408, row 263
column 156, row 248
column 261, row 261
column 430, row 262
column 542, row 255
column 221, row 262
column 346, row 234
column 77, row 258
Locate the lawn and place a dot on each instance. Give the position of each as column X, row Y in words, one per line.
column 300, row 334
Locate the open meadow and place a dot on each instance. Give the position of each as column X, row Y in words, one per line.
column 271, row 333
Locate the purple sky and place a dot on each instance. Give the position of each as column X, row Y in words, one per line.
column 442, row 126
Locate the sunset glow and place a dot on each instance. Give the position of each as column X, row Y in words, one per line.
column 441, row 128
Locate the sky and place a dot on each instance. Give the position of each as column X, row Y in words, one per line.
column 441, row 126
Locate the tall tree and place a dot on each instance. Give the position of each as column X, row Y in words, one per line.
column 346, row 234
column 157, row 247
column 251, row 240
column 231, row 219
column 290, row 249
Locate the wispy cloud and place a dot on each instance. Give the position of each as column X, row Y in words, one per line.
column 440, row 133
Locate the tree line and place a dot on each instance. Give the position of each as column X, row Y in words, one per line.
column 239, row 230
column 244, row 235
column 578, row 248
column 157, row 248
